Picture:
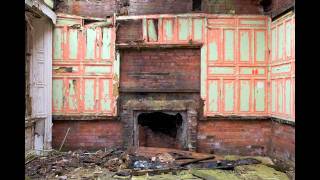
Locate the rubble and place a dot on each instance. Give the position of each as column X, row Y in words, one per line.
column 119, row 164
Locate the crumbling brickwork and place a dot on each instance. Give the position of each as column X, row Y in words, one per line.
column 129, row 31
column 93, row 134
column 279, row 6
column 103, row 8
column 283, row 143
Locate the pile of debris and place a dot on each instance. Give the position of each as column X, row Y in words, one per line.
column 117, row 162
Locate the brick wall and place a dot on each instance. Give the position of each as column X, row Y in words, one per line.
column 102, row 8
column 159, row 69
column 246, row 137
column 139, row 7
column 232, row 6
column 129, row 31
column 87, row 134
column 283, row 144
column 95, row 8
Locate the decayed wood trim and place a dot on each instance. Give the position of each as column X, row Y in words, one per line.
column 83, row 117
column 283, row 121
column 149, row 45
column 236, row 117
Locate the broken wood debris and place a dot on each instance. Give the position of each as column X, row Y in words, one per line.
column 121, row 163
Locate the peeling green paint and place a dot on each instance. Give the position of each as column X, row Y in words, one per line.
column 244, row 95
column 73, row 43
column 261, row 46
column 197, row 28
column 152, row 30
column 280, row 97
column 229, row 96
column 168, row 30
column 229, row 45
column 57, row 43
column 91, row 38
column 183, row 28
column 97, row 70
column 281, row 69
column 213, row 51
column 57, row 94
column 144, row 28
column 273, row 93
column 89, row 94
column 67, row 22
column 288, row 39
column 280, row 42
column 106, row 43
column 244, row 46
column 274, row 43
column 105, row 100
column 72, row 99
column 288, row 96
column 259, row 95
column 213, row 96
column 221, row 70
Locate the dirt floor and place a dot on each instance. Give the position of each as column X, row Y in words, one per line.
column 151, row 163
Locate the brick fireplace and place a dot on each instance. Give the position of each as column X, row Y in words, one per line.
column 160, row 97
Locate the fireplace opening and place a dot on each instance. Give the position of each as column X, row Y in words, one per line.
column 158, row 129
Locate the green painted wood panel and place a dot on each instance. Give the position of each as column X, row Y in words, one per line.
column 274, row 95
column 288, row 39
column 72, row 98
column 280, row 96
column 168, row 30
column 281, row 69
column 57, row 43
column 57, row 94
column 91, row 39
column 89, row 94
column 229, row 96
column 213, row 51
column 73, row 43
column 229, row 45
column 288, row 96
column 97, row 70
column 183, row 29
column 221, row 70
column 253, row 22
column 273, row 43
column 280, row 42
column 248, row 70
column 106, row 43
column 213, row 39
column 244, row 46
column 105, row 100
column 197, row 29
column 259, row 95
column 260, row 46
column 213, row 96
column 244, row 95
column 152, row 30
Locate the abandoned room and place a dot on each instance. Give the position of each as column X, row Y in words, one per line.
column 160, row 89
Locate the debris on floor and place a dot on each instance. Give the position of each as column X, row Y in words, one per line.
column 147, row 163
